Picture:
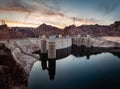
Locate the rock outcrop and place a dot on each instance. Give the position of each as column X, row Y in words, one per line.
column 48, row 30
column 7, row 33
column 93, row 30
column 115, row 27
column 15, row 67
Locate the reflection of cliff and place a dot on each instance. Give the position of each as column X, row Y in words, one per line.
column 85, row 51
column 88, row 51
column 116, row 54
column 80, row 51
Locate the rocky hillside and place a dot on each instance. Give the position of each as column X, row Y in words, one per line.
column 7, row 33
column 93, row 30
column 48, row 30
column 29, row 32
column 115, row 27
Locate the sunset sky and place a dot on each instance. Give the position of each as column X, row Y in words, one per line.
column 59, row 13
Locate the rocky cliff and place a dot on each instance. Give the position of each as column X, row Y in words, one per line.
column 7, row 33
column 93, row 30
column 48, row 30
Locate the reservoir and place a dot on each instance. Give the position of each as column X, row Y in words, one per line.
column 83, row 71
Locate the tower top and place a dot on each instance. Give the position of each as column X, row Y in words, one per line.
column 86, row 21
column 74, row 21
column 2, row 22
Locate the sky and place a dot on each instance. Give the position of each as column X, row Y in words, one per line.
column 60, row 13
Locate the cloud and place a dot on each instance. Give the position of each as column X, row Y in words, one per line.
column 45, row 7
column 108, row 6
column 92, row 20
column 39, row 11
column 12, row 5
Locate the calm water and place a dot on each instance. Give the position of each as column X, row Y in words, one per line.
column 101, row 71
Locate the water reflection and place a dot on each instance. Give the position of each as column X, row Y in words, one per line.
column 51, row 68
column 81, row 51
column 85, row 68
column 101, row 71
column 98, row 67
column 44, row 61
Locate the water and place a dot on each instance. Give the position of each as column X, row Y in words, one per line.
column 100, row 71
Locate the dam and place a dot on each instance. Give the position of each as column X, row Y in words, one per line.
column 28, row 51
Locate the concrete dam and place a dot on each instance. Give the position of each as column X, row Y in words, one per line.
column 23, row 50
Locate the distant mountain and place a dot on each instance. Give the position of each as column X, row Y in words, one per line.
column 29, row 32
column 3, row 27
column 93, row 30
column 47, row 30
column 115, row 26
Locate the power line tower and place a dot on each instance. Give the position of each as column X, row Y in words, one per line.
column 86, row 21
column 2, row 22
column 74, row 21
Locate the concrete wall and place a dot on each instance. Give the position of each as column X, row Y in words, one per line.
column 34, row 44
column 60, row 42
column 63, row 43
column 95, row 42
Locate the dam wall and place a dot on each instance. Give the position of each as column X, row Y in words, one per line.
column 22, row 49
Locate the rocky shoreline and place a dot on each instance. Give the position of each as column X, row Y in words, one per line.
column 14, row 68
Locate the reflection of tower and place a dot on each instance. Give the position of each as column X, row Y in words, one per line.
column 52, row 68
column 44, row 61
column 88, row 56
column 88, row 53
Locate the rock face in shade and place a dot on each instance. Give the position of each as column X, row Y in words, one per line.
column 27, row 32
column 48, row 30
column 7, row 33
column 14, row 73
